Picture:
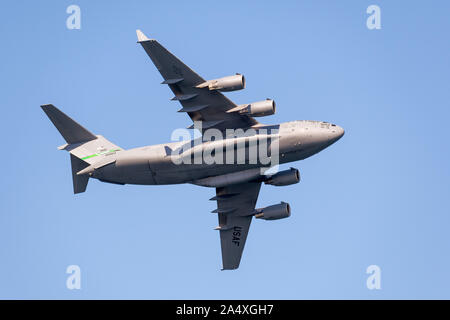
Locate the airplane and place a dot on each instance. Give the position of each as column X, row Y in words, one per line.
column 237, row 183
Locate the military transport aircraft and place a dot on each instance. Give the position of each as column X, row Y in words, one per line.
column 237, row 182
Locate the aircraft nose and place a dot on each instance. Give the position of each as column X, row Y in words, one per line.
column 337, row 132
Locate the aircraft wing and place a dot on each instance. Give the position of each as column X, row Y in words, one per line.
column 235, row 205
column 201, row 104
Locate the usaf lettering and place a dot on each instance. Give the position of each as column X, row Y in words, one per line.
column 237, row 235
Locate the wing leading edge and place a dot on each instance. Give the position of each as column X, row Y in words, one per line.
column 201, row 104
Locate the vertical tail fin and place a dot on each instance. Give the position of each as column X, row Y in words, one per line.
column 79, row 181
column 85, row 148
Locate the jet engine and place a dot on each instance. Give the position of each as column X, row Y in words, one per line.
column 230, row 83
column 258, row 109
column 275, row 212
column 284, row 178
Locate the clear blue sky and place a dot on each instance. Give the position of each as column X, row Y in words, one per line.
column 378, row 196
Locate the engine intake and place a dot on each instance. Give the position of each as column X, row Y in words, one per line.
column 284, row 178
column 275, row 212
column 230, row 83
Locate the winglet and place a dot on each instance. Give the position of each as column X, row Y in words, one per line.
column 141, row 36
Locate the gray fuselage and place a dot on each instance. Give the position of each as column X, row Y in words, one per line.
column 155, row 165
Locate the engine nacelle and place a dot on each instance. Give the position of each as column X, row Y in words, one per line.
column 260, row 108
column 230, row 83
column 275, row 212
column 284, row 178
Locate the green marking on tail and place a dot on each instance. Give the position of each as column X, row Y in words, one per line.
column 98, row 154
